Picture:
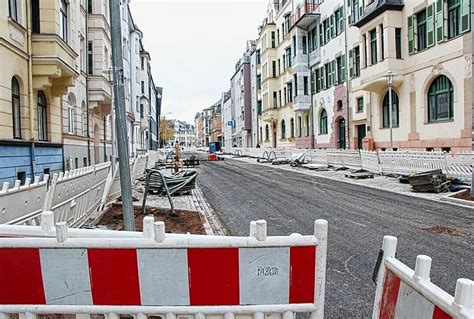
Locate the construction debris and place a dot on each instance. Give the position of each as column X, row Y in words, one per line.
column 359, row 174
column 430, row 182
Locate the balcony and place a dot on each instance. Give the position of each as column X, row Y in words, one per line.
column 54, row 63
column 301, row 103
column 300, row 63
column 374, row 9
column 305, row 15
column 144, row 124
column 100, row 94
column 314, row 57
column 270, row 115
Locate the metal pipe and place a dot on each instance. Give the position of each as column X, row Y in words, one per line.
column 121, row 120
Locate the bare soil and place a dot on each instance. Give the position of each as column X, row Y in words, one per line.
column 447, row 231
column 465, row 195
column 185, row 221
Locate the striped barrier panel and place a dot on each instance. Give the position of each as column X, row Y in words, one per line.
column 75, row 195
column 459, row 165
column 404, row 293
column 160, row 274
column 22, row 204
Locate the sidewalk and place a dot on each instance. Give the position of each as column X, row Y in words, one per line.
column 379, row 182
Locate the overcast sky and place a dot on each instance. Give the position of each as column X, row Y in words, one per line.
column 194, row 46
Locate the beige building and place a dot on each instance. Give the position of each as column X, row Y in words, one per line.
column 427, row 45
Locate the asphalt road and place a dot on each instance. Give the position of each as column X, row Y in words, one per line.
column 358, row 219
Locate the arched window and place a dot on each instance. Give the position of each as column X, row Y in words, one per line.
column 395, row 111
column 323, row 122
column 16, row 108
column 261, row 133
column 292, row 128
column 71, row 106
column 267, row 133
column 84, row 118
column 307, row 124
column 300, row 127
column 283, row 129
column 441, row 100
column 42, row 117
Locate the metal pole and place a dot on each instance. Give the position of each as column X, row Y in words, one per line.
column 390, row 108
column 120, row 116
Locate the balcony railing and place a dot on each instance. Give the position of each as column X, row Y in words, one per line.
column 304, row 15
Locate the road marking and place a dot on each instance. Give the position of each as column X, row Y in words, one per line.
column 356, row 223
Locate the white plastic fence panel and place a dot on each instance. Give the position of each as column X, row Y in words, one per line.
column 347, row 158
column 75, row 195
column 23, row 204
column 394, row 162
column 404, row 293
column 426, row 161
column 316, row 156
column 459, row 165
column 230, row 276
column 370, row 161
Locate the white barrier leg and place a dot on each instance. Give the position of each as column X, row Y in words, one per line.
column 422, row 268
column 321, row 233
column 160, row 232
column 82, row 316
column 258, row 315
column 47, row 221
column 148, row 229
column 61, row 232
column 112, row 315
column 27, row 315
column 389, row 248
column 261, row 231
column 253, row 229
column 4, row 315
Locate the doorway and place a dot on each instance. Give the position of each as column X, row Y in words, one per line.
column 361, row 133
column 342, row 133
column 274, row 135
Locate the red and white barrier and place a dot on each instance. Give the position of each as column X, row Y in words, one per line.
column 404, row 293
column 162, row 274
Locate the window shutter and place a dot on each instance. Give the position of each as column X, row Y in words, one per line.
column 343, row 68
column 312, row 82
column 411, row 35
column 341, row 19
column 351, row 63
column 439, row 21
column 465, row 15
column 430, row 26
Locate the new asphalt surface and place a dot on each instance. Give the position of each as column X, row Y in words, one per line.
column 358, row 219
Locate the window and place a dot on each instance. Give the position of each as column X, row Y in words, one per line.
column 373, row 47
column 42, row 117
column 259, row 81
column 261, row 133
column 421, row 30
column 35, row 16
column 454, row 18
column 267, row 133
column 398, row 43
column 395, row 110
column 274, row 69
column 283, row 129
column 382, row 45
column 305, row 45
column 90, row 58
column 360, row 104
column 357, row 61
column 312, row 39
column 364, row 39
column 441, row 100
column 305, row 85
column 290, row 92
column 341, row 69
column 292, row 128
column 70, row 111
column 300, row 127
column 288, row 57
column 84, row 119
column 63, row 22
column 143, row 63
column 257, row 57
column 89, row 6
column 143, row 87
column 13, row 10
column 273, row 39
column 16, row 114
column 307, row 124
column 323, row 122
column 275, row 100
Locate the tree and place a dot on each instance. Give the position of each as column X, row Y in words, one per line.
column 166, row 131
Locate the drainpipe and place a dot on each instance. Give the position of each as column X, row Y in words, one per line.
column 311, row 112
column 348, row 82
column 87, row 94
column 30, row 87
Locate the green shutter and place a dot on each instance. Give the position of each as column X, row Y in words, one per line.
column 342, row 19
column 351, row 63
column 312, row 82
column 349, row 12
column 343, row 68
column 333, row 70
column 465, row 15
column 430, row 26
column 411, row 35
column 439, row 21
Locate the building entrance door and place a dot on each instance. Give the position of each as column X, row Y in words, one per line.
column 361, row 133
column 342, row 133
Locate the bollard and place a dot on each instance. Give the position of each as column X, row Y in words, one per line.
column 422, row 268
column 160, row 232
column 148, row 230
column 261, row 230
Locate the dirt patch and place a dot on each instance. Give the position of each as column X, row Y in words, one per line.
column 185, row 221
column 465, row 195
column 447, row 231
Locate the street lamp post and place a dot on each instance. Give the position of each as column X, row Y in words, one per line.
column 389, row 77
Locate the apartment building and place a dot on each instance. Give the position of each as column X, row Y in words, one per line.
column 184, row 134
column 241, row 99
column 422, row 51
column 228, row 123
